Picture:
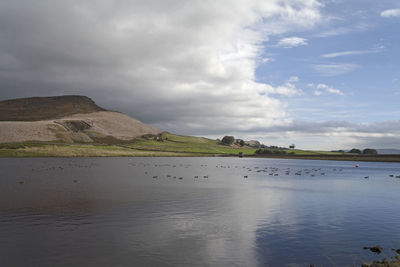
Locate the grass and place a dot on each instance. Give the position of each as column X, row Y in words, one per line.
column 172, row 145
column 79, row 150
column 188, row 144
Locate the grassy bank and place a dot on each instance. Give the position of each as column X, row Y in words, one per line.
column 188, row 144
column 81, row 150
column 170, row 146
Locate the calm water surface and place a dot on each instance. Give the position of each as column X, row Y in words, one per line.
column 195, row 211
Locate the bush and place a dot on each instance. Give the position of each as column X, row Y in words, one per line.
column 227, row 140
column 355, row 151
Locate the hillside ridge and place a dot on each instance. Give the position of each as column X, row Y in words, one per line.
column 46, row 108
column 66, row 119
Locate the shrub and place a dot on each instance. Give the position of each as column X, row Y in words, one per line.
column 355, row 151
column 227, row 140
column 270, row 151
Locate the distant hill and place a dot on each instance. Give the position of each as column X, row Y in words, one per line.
column 67, row 119
column 44, row 108
column 388, row 151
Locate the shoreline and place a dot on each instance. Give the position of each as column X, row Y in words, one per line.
column 156, row 154
column 369, row 158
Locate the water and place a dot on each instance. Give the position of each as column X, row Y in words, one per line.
column 133, row 212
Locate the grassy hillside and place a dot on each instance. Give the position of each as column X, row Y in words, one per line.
column 44, row 108
column 187, row 144
column 172, row 145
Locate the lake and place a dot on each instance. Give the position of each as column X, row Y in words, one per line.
column 196, row 212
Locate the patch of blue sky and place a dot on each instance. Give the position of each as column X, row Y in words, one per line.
column 356, row 51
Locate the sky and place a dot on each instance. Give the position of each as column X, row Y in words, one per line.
column 320, row 74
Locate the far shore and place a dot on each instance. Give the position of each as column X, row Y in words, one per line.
column 77, row 151
column 343, row 157
column 172, row 145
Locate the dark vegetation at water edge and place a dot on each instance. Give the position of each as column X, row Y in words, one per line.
column 272, row 151
column 394, row 262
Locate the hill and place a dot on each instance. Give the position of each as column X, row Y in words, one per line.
column 389, row 151
column 74, row 126
column 66, row 119
column 45, row 108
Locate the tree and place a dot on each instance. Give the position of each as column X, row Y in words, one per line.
column 355, row 151
column 370, row 151
column 227, row 140
column 241, row 142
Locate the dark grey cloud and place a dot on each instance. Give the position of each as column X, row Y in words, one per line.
column 146, row 58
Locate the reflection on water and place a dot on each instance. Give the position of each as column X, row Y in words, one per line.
column 195, row 211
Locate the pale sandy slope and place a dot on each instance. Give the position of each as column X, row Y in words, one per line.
column 103, row 123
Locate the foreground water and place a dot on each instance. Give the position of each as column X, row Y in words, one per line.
column 195, row 211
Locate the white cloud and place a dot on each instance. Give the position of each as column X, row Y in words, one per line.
column 329, row 89
column 334, row 69
column 291, row 42
column 267, row 59
column 359, row 27
column 334, row 32
column 391, row 13
column 352, row 53
column 316, row 92
column 287, row 89
column 323, row 88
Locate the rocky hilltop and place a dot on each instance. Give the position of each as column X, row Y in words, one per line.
column 44, row 108
column 70, row 119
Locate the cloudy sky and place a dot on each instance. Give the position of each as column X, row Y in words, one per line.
column 320, row 74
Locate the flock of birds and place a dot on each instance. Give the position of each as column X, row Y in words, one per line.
column 268, row 170
column 70, row 164
column 271, row 171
